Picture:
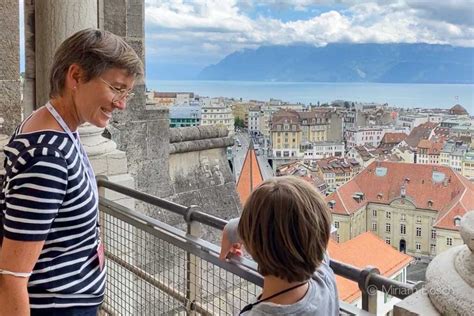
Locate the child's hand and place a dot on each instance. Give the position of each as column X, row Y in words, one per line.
column 229, row 248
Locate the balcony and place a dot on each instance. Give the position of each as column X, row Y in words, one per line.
column 154, row 268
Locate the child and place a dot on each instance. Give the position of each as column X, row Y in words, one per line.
column 285, row 226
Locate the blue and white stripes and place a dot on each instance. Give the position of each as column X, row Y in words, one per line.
column 46, row 196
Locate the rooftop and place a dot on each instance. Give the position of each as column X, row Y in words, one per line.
column 437, row 188
column 364, row 250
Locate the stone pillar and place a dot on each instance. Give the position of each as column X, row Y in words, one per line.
column 10, row 95
column 29, row 80
column 141, row 131
column 54, row 22
column 449, row 288
column 3, row 142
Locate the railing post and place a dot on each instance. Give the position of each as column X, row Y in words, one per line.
column 369, row 292
column 193, row 265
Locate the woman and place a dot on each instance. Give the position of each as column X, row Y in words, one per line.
column 51, row 259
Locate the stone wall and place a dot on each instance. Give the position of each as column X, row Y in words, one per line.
column 200, row 174
column 10, row 96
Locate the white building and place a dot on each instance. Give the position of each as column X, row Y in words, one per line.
column 254, row 118
column 320, row 150
column 411, row 120
column 216, row 111
column 369, row 135
column 452, row 154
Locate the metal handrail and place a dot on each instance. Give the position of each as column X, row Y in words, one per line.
column 367, row 279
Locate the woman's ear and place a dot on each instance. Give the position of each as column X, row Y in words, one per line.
column 74, row 76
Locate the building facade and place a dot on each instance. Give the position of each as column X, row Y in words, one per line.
column 217, row 111
column 415, row 208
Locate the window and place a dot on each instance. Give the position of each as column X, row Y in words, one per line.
column 403, row 229
column 374, row 213
column 457, row 221
column 387, row 228
column 433, row 249
column 449, row 241
column 433, row 234
column 387, row 240
column 403, row 217
column 388, row 215
column 418, row 232
column 336, row 224
column 418, row 246
column 418, row 219
column 374, row 227
column 337, row 237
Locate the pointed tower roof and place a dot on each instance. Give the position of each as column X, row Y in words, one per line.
column 250, row 175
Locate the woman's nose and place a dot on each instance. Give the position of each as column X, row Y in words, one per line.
column 120, row 104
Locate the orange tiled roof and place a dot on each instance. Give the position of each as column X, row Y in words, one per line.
column 250, row 175
column 453, row 195
column 393, row 138
column 364, row 250
column 422, row 131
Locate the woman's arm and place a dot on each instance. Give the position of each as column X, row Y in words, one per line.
column 16, row 256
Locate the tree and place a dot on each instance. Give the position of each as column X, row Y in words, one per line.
column 239, row 122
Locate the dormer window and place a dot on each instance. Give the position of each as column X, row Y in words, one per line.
column 457, row 221
column 430, row 203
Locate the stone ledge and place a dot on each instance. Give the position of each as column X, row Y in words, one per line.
column 200, row 145
column 184, row 134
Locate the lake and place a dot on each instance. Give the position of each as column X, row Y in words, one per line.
column 401, row 95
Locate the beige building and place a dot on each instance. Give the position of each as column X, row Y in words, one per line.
column 314, row 125
column 467, row 166
column 285, row 134
column 415, row 208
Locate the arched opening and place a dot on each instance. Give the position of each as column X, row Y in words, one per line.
column 403, row 246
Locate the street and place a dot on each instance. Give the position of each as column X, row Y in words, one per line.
column 239, row 157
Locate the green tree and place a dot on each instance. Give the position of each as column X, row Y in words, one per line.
column 239, row 122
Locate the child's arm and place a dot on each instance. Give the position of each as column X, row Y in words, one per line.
column 231, row 242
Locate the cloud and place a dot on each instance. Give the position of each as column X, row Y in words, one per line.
column 207, row 30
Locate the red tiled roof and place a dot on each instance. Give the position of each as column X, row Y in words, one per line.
column 393, row 138
column 422, row 131
column 434, row 147
column 250, row 175
column 453, row 195
column 364, row 250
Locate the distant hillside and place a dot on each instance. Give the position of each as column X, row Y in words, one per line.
column 397, row 63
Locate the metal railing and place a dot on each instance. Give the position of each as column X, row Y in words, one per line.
column 156, row 269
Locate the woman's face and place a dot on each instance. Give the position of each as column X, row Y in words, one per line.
column 99, row 97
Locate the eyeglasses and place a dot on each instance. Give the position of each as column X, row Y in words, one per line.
column 120, row 94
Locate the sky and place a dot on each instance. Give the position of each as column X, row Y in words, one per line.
column 182, row 37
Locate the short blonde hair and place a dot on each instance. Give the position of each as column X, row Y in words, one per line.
column 95, row 51
column 285, row 226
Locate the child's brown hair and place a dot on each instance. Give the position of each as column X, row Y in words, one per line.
column 285, row 226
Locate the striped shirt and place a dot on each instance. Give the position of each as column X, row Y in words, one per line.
column 46, row 196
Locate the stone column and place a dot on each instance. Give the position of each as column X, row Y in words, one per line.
column 54, row 22
column 10, row 92
column 29, row 80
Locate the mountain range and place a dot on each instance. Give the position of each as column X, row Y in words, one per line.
column 390, row 63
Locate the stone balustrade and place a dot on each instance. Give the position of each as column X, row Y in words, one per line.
column 449, row 288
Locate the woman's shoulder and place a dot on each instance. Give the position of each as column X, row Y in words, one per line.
column 46, row 144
